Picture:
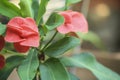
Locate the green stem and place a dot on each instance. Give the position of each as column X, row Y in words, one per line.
column 8, row 51
column 37, row 77
column 50, row 40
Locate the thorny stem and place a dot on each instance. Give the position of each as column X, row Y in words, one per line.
column 50, row 40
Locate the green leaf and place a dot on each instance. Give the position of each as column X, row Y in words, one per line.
column 8, row 9
column 35, row 5
column 61, row 46
column 11, row 63
column 73, row 77
column 88, row 61
column 72, row 1
column 93, row 38
column 54, row 21
column 2, row 28
column 28, row 68
column 26, row 8
column 52, row 69
column 43, row 30
column 41, row 10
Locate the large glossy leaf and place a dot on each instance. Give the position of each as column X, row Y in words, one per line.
column 88, row 61
column 2, row 28
column 26, row 8
column 52, row 69
column 92, row 38
column 11, row 63
column 8, row 9
column 54, row 21
column 41, row 10
column 28, row 68
column 35, row 5
column 61, row 46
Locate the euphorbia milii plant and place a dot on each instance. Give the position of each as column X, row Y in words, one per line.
column 42, row 56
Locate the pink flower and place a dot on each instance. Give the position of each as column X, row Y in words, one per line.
column 2, row 61
column 23, row 32
column 2, row 42
column 74, row 22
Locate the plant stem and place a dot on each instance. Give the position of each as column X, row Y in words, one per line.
column 37, row 77
column 8, row 51
column 50, row 40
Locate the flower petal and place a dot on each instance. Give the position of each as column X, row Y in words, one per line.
column 15, row 22
column 19, row 22
column 66, row 28
column 12, row 36
column 20, row 48
column 2, row 42
column 31, row 41
column 79, row 22
column 31, row 24
column 67, row 17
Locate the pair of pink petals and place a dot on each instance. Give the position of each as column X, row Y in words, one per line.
column 74, row 22
column 23, row 33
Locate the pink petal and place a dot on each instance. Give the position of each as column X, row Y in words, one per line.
column 79, row 22
column 19, row 22
column 20, row 48
column 12, row 36
column 31, row 23
column 27, row 32
column 66, row 28
column 31, row 41
column 67, row 17
column 15, row 22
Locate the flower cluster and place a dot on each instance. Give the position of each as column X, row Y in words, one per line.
column 74, row 22
column 23, row 32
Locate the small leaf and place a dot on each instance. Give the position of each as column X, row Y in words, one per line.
column 2, row 28
column 52, row 69
column 11, row 63
column 54, row 21
column 8, row 9
column 26, row 8
column 61, row 46
column 88, row 61
column 35, row 5
column 92, row 38
column 41, row 10
column 28, row 68
column 43, row 30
